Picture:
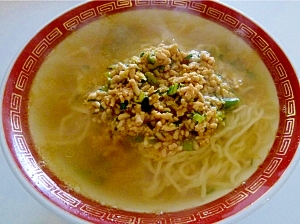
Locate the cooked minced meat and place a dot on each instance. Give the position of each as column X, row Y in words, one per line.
column 165, row 100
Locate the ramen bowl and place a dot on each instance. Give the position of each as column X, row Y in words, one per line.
column 37, row 174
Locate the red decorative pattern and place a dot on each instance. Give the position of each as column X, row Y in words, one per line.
column 66, row 198
column 46, row 182
column 22, row 81
column 15, row 102
column 212, row 211
column 96, row 212
column 152, row 220
column 235, row 199
column 188, row 218
column 29, row 64
column 256, row 184
column 284, row 146
column 197, row 6
column 21, row 144
column 281, row 71
column 230, row 20
column 272, row 166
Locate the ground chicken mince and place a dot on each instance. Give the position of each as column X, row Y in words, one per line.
column 164, row 100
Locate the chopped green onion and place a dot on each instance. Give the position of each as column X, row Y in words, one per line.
column 188, row 57
column 142, row 54
column 123, row 105
column 187, row 145
column 139, row 138
column 151, row 58
column 140, row 98
column 198, row 117
column 102, row 108
column 177, row 123
column 156, row 72
column 193, row 54
column 141, row 76
column 161, row 68
column 104, row 88
column 107, row 74
column 124, row 74
column 220, row 115
column 230, row 102
column 151, row 79
column 136, row 139
column 111, row 67
column 173, row 89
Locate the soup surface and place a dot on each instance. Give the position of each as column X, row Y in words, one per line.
column 74, row 147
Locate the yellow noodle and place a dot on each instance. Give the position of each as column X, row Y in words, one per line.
column 207, row 167
column 80, row 136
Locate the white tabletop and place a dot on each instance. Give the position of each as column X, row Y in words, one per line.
column 280, row 18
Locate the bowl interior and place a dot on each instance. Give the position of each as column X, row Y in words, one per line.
column 21, row 145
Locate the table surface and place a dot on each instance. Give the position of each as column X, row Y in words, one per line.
column 20, row 20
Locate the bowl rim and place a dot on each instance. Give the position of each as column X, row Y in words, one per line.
column 19, row 173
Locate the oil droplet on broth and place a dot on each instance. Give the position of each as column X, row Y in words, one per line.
column 69, row 153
